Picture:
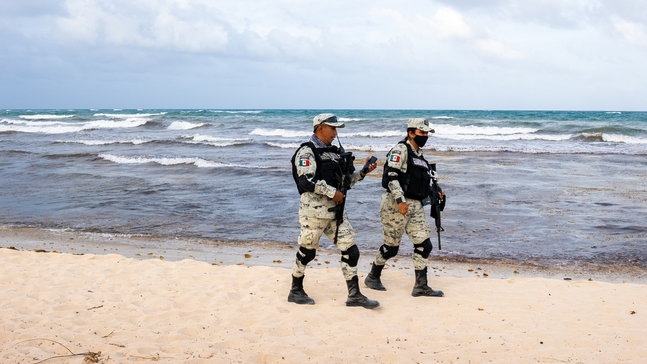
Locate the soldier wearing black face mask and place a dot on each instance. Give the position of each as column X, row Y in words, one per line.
column 406, row 178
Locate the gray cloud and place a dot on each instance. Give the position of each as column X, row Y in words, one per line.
column 413, row 53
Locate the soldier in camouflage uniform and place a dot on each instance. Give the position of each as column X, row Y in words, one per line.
column 316, row 168
column 407, row 177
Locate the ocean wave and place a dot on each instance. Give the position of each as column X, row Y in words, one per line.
column 442, row 117
column 611, row 138
column 105, row 142
column 127, row 116
column 509, row 137
column 284, row 145
column 165, row 161
column 184, row 125
column 237, row 111
column 589, row 137
column 45, row 117
column 375, row 134
column 57, row 127
column 283, row 133
column 214, row 141
column 449, row 129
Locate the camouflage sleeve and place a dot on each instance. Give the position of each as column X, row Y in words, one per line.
column 396, row 164
column 306, row 166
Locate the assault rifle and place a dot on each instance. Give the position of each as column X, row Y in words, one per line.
column 346, row 170
column 437, row 203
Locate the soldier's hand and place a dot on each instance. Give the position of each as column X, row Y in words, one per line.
column 371, row 167
column 403, row 208
column 339, row 197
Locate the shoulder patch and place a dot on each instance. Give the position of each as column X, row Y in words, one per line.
column 394, row 157
column 304, row 162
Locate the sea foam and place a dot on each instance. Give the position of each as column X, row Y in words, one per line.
column 184, row 125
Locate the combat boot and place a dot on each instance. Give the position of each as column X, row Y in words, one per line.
column 356, row 298
column 421, row 288
column 372, row 280
column 297, row 294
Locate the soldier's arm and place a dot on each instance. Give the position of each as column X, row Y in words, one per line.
column 306, row 171
column 396, row 165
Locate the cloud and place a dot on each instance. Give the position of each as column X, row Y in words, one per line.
column 396, row 53
column 632, row 32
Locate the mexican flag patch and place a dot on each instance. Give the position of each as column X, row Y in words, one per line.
column 394, row 158
column 304, row 163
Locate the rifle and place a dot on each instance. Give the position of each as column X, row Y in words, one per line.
column 346, row 169
column 437, row 203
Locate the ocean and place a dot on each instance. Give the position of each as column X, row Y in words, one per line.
column 551, row 187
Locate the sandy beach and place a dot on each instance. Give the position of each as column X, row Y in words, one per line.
column 76, row 307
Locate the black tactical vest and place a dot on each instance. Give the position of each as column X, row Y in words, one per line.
column 416, row 182
column 328, row 167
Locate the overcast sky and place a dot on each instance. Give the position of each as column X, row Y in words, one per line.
column 324, row 54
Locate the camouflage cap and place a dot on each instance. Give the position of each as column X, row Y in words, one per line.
column 328, row 119
column 420, row 124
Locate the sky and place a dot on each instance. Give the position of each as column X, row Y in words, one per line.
column 324, row 54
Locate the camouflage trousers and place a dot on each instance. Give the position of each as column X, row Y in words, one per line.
column 394, row 225
column 311, row 230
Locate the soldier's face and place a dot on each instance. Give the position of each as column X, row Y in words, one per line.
column 326, row 133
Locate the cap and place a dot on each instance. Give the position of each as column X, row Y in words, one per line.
column 420, row 124
column 328, row 119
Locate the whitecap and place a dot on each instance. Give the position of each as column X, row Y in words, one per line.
column 57, row 127
column 618, row 138
column 106, row 142
column 283, row 145
column 126, row 116
column 45, row 117
column 165, row 161
column 184, row 125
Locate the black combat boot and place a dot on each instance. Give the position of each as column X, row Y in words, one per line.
column 421, row 288
column 297, row 294
column 372, row 280
column 356, row 298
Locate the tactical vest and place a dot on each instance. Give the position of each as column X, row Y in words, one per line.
column 328, row 168
column 416, row 182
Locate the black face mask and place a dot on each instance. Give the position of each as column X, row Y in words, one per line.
column 420, row 140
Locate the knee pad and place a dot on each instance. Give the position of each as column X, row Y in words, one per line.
column 350, row 256
column 423, row 249
column 388, row 252
column 305, row 256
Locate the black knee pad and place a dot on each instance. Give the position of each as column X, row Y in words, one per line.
column 388, row 252
column 350, row 256
column 423, row 249
column 305, row 256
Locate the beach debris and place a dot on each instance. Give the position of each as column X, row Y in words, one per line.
column 632, row 312
column 88, row 357
column 277, row 261
column 247, row 255
column 95, row 307
column 568, row 279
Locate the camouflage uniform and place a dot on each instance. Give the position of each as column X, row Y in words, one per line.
column 315, row 215
column 407, row 177
column 394, row 224
column 318, row 172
